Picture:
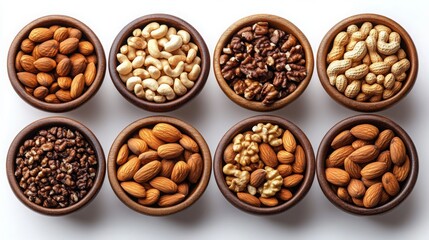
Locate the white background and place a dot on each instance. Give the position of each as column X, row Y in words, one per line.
column 212, row 113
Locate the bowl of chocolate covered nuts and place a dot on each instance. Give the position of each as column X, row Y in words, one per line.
column 264, row 165
column 55, row 166
column 159, row 62
column 367, row 62
column 56, row 63
column 263, row 62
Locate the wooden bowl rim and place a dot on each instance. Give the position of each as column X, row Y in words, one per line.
column 277, row 22
column 171, row 21
column 29, row 131
column 406, row 43
column 245, row 125
column 348, row 123
column 184, row 127
column 47, row 21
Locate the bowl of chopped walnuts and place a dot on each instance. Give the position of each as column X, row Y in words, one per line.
column 263, row 62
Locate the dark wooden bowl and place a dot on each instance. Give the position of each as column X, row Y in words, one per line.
column 48, row 21
column 245, row 125
column 170, row 21
column 28, row 132
column 276, row 22
column 325, row 149
column 128, row 132
column 406, row 43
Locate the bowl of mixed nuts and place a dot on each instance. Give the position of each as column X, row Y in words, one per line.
column 263, row 62
column 367, row 164
column 264, row 165
column 159, row 62
column 56, row 63
column 55, row 166
column 367, row 62
column 159, row 165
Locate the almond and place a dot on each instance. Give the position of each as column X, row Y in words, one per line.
column 147, row 135
column 358, row 202
column 356, row 188
column 164, row 185
column 49, row 48
column 364, row 154
column 27, row 63
column 344, row 138
column 196, row 166
column 28, row 79
column 69, row 45
column 147, row 172
column 401, row 172
column 40, row 92
column 137, row 146
column 257, row 177
column 64, row 82
column 44, row 79
column 180, row 172
column 170, row 150
column 91, row 58
column 249, row 199
column 77, row 86
column 390, row 184
column 36, row 53
column 337, row 157
column 373, row 195
column 122, row 156
column 78, row 66
column 167, row 167
column 148, row 156
column 352, row 168
column 189, row 144
column 51, row 98
column 284, row 170
column 385, row 157
column 397, row 151
column 292, row 180
column 374, row 170
column 269, row 202
column 45, row 64
column 337, row 176
column 127, row 170
column 167, row 132
column 170, row 200
column 365, row 131
column 90, row 73
column 134, row 189
column 343, row 194
column 285, row 157
column 300, row 163
column 61, row 34
column 74, row 33
column 54, row 87
column 384, row 198
column 63, row 95
column 27, row 45
column 183, row 188
column 40, row 34
column 64, row 67
column 152, row 196
column 53, row 28
column 369, row 182
column 29, row 90
column 60, row 57
column 86, row 48
column 289, row 142
column 229, row 154
column 384, row 138
column 267, row 155
column 359, row 143
column 18, row 65
column 284, row 194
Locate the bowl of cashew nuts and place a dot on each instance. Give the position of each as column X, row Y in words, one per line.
column 367, row 62
column 159, row 62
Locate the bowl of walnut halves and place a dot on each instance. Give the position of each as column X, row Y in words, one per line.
column 263, row 62
column 264, row 165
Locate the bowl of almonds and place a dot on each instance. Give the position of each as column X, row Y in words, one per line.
column 159, row 62
column 367, row 62
column 56, row 63
column 263, row 62
column 159, row 165
column 367, row 164
column 264, row 165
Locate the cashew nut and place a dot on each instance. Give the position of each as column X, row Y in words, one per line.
column 137, row 32
column 131, row 53
column 193, row 46
column 154, row 72
column 139, row 91
column 150, row 83
column 166, row 55
column 175, row 59
column 173, row 44
column 121, row 57
column 185, row 80
column 189, row 66
column 159, row 99
column 149, row 28
column 138, row 62
column 192, row 53
column 149, row 95
column 167, row 91
column 162, row 41
column 166, row 80
column 152, row 47
column 194, row 73
column 132, row 81
column 186, row 37
column 123, row 49
column 136, row 42
column 159, row 32
column 171, row 31
column 124, row 68
column 153, row 61
column 124, row 78
column 142, row 73
column 391, row 47
column 173, row 72
column 179, row 88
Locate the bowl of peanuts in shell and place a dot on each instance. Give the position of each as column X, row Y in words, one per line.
column 264, row 165
column 367, row 164
column 56, row 63
column 367, row 62
column 159, row 62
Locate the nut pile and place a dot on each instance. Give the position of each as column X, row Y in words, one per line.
column 159, row 63
column 367, row 166
column 367, row 63
column 56, row 168
column 262, row 63
column 159, row 166
column 56, row 64
column 264, row 166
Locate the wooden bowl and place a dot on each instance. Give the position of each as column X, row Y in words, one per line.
column 325, row 149
column 128, row 132
column 279, row 23
column 48, row 21
column 245, row 125
column 406, row 43
column 170, row 21
column 28, row 132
